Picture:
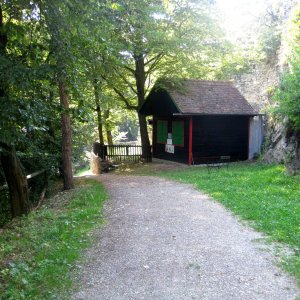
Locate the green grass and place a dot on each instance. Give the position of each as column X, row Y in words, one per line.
column 262, row 194
column 82, row 171
column 38, row 252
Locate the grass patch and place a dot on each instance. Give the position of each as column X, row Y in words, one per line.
column 38, row 252
column 5, row 212
column 82, row 171
column 260, row 193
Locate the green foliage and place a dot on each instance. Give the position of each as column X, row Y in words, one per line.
column 262, row 194
column 44, row 42
column 5, row 212
column 83, row 171
column 128, row 124
column 270, row 29
column 28, row 114
column 38, row 253
column 22, row 73
column 271, row 41
column 178, row 40
column 288, row 95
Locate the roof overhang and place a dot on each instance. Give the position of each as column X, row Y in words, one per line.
column 203, row 98
column 160, row 103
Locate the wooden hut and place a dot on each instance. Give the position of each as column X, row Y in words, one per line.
column 200, row 122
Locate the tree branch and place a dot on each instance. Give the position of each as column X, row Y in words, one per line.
column 156, row 61
column 152, row 59
column 124, row 99
column 129, row 69
column 126, row 81
column 121, row 95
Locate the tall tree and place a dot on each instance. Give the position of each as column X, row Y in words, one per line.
column 149, row 40
column 61, row 24
column 94, row 51
column 13, row 170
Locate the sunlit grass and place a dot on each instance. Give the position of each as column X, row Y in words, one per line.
column 84, row 171
column 38, row 253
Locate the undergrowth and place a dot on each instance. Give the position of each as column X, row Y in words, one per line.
column 38, row 253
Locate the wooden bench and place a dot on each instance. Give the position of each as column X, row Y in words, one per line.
column 221, row 161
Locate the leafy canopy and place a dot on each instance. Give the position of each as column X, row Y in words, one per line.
column 288, row 93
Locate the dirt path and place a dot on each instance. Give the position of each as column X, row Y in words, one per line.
column 165, row 240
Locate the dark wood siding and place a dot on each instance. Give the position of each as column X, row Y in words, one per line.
column 214, row 136
column 159, row 103
column 181, row 152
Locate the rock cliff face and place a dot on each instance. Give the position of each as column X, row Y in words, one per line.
column 258, row 83
column 283, row 146
column 257, row 86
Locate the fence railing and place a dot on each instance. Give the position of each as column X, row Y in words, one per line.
column 37, row 184
column 121, row 152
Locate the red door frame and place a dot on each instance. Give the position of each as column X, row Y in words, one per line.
column 249, row 136
column 190, row 141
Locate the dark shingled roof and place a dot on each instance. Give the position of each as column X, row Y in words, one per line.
column 196, row 97
column 210, row 97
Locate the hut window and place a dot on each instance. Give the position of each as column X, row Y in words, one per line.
column 178, row 133
column 162, row 130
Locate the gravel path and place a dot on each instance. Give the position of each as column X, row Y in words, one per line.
column 165, row 240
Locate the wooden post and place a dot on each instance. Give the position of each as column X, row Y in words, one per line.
column 190, row 140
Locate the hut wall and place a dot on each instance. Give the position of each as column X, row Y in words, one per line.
column 256, row 136
column 215, row 136
column 181, row 152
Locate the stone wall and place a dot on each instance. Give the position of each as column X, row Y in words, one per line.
column 257, row 86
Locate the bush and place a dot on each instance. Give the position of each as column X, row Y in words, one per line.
column 288, row 93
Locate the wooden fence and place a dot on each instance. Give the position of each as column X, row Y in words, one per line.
column 121, row 152
column 37, row 184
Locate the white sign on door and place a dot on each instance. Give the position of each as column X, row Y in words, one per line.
column 170, row 148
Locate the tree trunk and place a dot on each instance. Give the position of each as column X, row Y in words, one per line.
column 12, row 167
column 16, row 181
column 66, row 137
column 108, row 127
column 99, row 112
column 146, row 151
column 140, row 78
column 109, row 137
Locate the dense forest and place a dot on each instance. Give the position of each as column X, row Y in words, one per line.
column 73, row 72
